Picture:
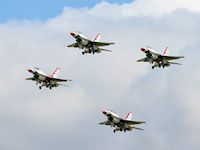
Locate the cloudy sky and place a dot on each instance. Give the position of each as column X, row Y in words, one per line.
column 36, row 34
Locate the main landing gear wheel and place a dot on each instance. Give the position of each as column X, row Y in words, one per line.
column 152, row 67
column 114, row 131
column 83, row 53
column 40, row 87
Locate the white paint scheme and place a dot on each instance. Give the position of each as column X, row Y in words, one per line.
column 157, row 59
column 45, row 80
column 89, row 46
column 120, row 124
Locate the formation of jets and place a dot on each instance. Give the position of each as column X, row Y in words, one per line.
column 94, row 46
column 158, row 60
column 43, row 79
column 120, row 124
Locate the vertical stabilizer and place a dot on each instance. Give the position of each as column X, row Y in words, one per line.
column 97, row 38
column 129, row 116
column 166, row 51
column 55, row 73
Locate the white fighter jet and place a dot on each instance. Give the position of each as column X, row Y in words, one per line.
column 120, row 124
column 46, row 80
column 158, row 60
column 89, row 46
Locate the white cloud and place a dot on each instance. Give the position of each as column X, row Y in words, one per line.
column 159, row 7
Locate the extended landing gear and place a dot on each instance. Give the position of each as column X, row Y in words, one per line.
column 153, row 67
column 114, row 130
column 83, row 53
column 40, row 87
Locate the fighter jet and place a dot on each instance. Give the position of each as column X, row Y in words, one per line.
column 46, row 80
column 158, row 60
column 89, row 46
column 120, row 124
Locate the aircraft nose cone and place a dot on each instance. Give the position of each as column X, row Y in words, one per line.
column 104, row 112
column 30, row 70
column 143, row 49
column 73, row 34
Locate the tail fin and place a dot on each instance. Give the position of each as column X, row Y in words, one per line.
column 55, row 73
column 129, row 116
column 166, row 51
column 97, row 38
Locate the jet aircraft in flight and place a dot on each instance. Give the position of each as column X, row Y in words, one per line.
column 89, row 46
column 43, row 79
column 158, row 60
column 120, row 124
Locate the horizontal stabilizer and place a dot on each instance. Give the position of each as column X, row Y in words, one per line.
column 63, row 85
column 137, row 128
column 175, row 63
column 105, row 50
column 30, row 78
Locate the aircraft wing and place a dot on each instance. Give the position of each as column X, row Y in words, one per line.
column 146, row 59
column 32, row 78
column 172, row 57
column 132, row 122
column 59, row 80
column 105, row 123
column 102, row 43
column 75, row 45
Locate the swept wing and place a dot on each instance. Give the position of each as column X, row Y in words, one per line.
column 171, row 57
column 102, row 43
column 75, row 45
column 129, row 122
